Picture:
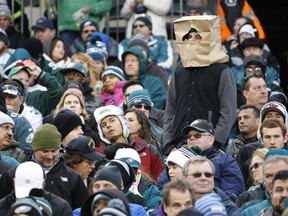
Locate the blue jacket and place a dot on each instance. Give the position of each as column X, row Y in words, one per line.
column 231, row 208
column 154, row 85
column 255, row 209
column 228, row 176
column 150, row 193
column 272, row 76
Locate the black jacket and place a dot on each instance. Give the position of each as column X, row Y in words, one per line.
column 59, row 206
column 61, row 180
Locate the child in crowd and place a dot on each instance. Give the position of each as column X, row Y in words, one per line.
column 113, row 81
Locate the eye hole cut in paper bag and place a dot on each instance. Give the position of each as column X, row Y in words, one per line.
column 206, row 52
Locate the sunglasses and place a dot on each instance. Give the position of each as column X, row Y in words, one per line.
column 141, row 26
column 139, row 106
column 255, row 165
column 199, row 174
column 196, row 135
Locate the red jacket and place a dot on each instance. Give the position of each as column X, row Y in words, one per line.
column 150, row 157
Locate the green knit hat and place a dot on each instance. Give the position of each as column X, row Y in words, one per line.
column 46, row 137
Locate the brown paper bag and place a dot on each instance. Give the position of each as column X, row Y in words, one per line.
column 209, row 50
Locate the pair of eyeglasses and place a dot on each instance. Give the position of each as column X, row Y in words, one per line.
column 89, row 31
column 91, row 163
column 196, row 135
column 256, row 165
column 136, row 26
column 139, row 106
column 199, row 174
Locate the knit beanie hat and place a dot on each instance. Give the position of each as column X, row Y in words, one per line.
column 272, row 152
column 95, row 54
column 273, row 106
column 210, row 205
column 5, row 11
column 46, row 137
column 145, row 20
column 110, row 174
column 138, row 40
column 140, row 96
column 6, row 119
column 130, row 156
column 34, row 47
column 3, row 36
column 181, row 156
column 110, row 110
column 114, row 70
column 88, row 23
column 127, row 173
column 66, row 121
column 248, row 28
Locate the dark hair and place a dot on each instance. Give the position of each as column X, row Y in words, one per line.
column 255, row 110
column 131, row 83
column 180, row 185
column 145, row 131
column 246, row 83
column 280, row 175
column 273, row 123
column 53, row 45
column 15, row 82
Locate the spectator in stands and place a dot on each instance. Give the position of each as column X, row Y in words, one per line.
column 81, row 157
column 257, row 190
column 156, row 116
column 248, row 123
column 200, row 171
column 214, row 101
column 134, row 69
column 177, row 195
column 23, row 131
column 152, row 67
column 113, row 81
column 45, row 31
column 70, row 16
column 255, row 90
column 230, row 12
column 69, row 124
column 14, row 94
column 44, row 100
column 275, row 161
column 46, row 145
column 86, row 28
column 227, row 174
column 113, row 128
column 156, row 10
column 271, row 110
column 58, row 52
column 159, row 48
column 76, row 71
column 197, row 7
column 278, row 194
column 8, row 146
column 5, row 52
column 16, row 38
column 141, row 100
column 30, row 181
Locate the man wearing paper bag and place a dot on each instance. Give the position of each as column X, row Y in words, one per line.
column 205, row 87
